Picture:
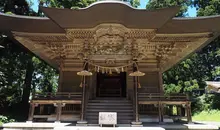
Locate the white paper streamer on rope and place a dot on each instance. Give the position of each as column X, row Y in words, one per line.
column 108, row 69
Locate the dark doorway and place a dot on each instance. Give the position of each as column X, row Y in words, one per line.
column 111, row 85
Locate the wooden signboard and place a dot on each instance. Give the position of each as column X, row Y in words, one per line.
column 107, row 118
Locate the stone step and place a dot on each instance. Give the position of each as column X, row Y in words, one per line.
column 109, row 110
column 109, row 101
column 118, row 121
column 110, row 98
column 109, row 104
column 118, row 117
column 122, row 106
column 109, row 107
column 119, row 114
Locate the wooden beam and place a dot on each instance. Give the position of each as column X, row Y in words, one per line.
column 192, row 47
column 161, row 112
column 57, row 101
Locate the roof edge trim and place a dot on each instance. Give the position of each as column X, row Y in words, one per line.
column 184, row 34
column 108, row 2
column 37, row 34
column 196, row 18
column 24, row 17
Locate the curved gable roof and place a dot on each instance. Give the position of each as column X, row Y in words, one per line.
column 192, row 25
column 28, row 24
column 110, row 12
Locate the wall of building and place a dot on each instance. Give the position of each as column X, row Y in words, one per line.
column 70, row 82
column 150, row 82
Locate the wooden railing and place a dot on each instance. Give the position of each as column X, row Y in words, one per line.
column 70, row 108
column 57, row 96
column 161, row 97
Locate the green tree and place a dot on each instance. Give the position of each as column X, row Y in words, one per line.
column 210, row 54
column 207, row 7
column 18, row 67
column 184, row 4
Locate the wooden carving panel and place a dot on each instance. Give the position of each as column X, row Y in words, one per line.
column 112, row 44
column 111, row 41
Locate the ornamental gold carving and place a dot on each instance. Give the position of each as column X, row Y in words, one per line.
column 111, row 43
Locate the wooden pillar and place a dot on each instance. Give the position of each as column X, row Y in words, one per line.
column 135, row 79
column 83, row 99
column 188, row 109
column 160, row 77
column 189, row 114
column 31, row 112
column 83, row 93
column 136, row 101
column 160, row 84
column 161, row 111
column 41, row 109
column 58, row 111
column 60, row 80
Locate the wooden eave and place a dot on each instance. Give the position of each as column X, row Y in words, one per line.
column 64, row 30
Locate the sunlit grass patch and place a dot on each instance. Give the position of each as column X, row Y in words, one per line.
column 212, row 115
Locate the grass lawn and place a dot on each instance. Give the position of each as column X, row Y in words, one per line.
column 213, row 115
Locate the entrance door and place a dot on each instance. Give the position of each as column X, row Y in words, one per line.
column 111, row 85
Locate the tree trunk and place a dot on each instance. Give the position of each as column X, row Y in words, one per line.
column 27, row 89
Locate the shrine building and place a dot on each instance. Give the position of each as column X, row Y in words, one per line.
column 110, row 58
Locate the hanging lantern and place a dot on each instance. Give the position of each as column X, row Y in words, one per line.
column 137, row 73
column 84, row 73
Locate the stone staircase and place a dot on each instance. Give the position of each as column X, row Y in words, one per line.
column 122, row 106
